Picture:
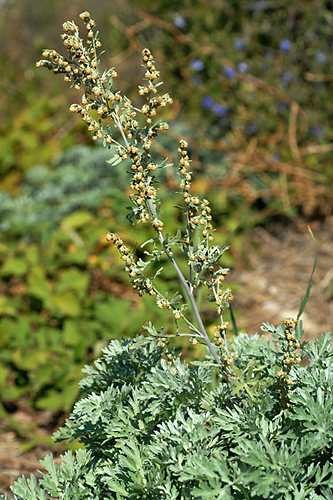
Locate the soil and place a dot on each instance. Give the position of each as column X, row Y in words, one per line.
column 14, row 460
column 271, row 284
column 273, row 281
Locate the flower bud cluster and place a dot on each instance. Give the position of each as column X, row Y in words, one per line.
column 149, row 109
column 81, row 66
column 139, row 282
column 201, row 256
column 222, row 298
column 184, row 164
column 198, row 213
column 163, row 303
column 142, row 169
column 162, row 341
column 217, row 277
column 290, row 357
column 125, row 254
column 220, row 340
column 289, row 345
column 142, row 182
column 82, row 69
column 220, row 332
column 100, row 102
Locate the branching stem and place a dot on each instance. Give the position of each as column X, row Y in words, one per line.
column 188, row 287
column 189, row 291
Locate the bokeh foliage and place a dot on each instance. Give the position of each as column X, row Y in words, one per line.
column 251, row 79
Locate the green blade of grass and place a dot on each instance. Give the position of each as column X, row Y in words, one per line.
column 233, row 322
column 307, row 293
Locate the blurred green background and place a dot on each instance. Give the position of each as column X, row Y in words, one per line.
column 252, row 89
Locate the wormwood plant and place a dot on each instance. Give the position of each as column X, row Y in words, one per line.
column 254, row 419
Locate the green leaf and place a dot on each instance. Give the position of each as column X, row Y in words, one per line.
column 114, row 313
column 4, row 372
column 73, row 279
column 37, row 284
column 17, row 332
column 66, row 304
column 31, row 254
column 71, row 334
column 76, row 220
column 14, row 266
column 55, row 400
column 115, row 160
column 6, row 307
column 116, row 487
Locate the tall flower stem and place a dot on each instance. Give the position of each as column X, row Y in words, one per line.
column 189, row 291
column 187, row 286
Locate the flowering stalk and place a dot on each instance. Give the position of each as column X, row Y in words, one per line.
column 113, row 118
column 290, row 346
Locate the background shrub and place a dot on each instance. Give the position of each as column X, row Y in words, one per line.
column 253, row 87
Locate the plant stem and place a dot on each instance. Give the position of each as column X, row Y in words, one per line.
column 189, row 291
column 195, row 309
column 188, row 287
column 117, row 122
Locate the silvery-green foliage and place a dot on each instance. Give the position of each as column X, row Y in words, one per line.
column 74, row 479
column 154, row 429
column 79, row 179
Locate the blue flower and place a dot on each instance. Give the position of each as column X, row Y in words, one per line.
column 286, row 78
column 285, row 45
column 207, row 102
column 220, row 110
column 321, row 56
column 252, row 129
column 239, row 44
column 318, row 132
column 258, row 6
column 229, row 72
column 282, row 105
column 179, row 22
column 243, row 67
column 197, row 65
